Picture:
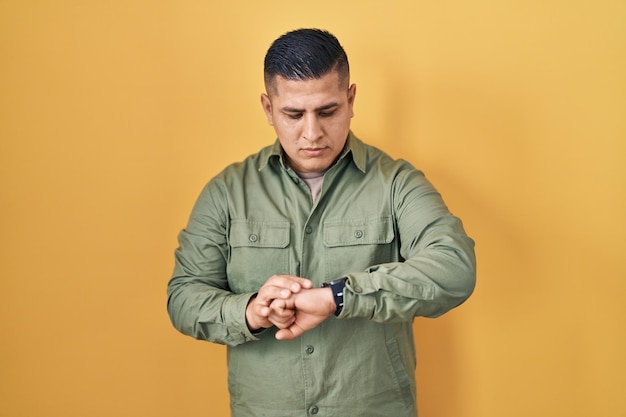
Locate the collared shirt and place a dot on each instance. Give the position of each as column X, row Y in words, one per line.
column 377, row 222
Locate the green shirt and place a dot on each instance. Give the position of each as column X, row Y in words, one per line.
column 378, row 222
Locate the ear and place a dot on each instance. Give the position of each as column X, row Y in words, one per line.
column 266, row 103
column 351, row 98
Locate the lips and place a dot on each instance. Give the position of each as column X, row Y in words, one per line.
column 313, row 152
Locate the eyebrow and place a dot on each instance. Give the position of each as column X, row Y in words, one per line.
column 321, row 108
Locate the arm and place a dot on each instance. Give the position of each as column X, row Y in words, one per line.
column 439, row 268
column 200, row 301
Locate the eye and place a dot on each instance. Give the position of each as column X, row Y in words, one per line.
column 294, row 116
column 327, row 113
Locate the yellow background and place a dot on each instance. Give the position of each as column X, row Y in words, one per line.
column 113, row 115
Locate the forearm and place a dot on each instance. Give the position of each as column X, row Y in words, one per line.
column 200, row 303
column 208, row 313
column 439, row 273
column 401, row 291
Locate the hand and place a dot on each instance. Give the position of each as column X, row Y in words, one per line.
column 310, row 307
column 258, row 313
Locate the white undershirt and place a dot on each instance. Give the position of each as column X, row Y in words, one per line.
column 314, row 181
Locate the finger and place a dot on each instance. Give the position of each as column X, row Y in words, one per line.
column 290, row 282
column 269, row 293
column 280, row 304
column 256, row 316
column 282, row 322
column 289, row 333
column 279, row 310
column 264, row 311
column 280, row 315
column 304, row 282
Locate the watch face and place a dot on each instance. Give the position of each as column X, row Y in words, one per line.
column 335, row 282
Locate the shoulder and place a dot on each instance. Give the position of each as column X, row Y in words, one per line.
column 370, row 158
column 376, row 162
column 252, row 165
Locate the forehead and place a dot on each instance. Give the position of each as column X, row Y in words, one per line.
column 329, row 83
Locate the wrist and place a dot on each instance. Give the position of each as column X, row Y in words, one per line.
column 252, row 324
column 329, row 301
column 337, row 288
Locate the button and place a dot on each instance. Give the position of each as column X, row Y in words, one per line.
column 309, row 349
column 253, row 237
column 358, row 234
column 314, row 410
column 358, row 290
column 308, row 230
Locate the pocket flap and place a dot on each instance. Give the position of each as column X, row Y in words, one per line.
column 367, row 231
column 263, row 234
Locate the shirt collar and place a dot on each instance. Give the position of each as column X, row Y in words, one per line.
column 354, row 146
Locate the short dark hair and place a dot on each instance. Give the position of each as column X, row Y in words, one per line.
column 306, row 54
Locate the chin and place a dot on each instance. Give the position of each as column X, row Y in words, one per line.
column 318, row 167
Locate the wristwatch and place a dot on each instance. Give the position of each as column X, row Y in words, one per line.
column 337, row 287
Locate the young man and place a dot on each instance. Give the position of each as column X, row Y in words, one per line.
column 311, row 258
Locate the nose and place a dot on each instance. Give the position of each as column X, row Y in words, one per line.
column 312, row 129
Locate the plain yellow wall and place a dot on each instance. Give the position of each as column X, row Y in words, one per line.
column 113, row 115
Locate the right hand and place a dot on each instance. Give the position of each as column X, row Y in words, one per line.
column 258, row 312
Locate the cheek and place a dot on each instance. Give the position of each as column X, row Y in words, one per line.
column 288, row 140
column 286, row 129
column 338, row 128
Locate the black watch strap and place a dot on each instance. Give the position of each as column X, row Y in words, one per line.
column 337, row 286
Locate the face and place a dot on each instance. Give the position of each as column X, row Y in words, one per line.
column 311, row 119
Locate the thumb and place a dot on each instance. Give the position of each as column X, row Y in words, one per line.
column 289, row 333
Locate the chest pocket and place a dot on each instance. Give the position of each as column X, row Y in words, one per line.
column 355, row 244
column 258, row 250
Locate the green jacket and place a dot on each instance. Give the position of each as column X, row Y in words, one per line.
column 378, row 222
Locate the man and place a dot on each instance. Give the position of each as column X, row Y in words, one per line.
column 311, row 258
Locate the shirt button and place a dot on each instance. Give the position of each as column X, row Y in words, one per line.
column 358, row 290
column 314, row 410
column 253, row 237
column 308, row 230
column 358, row 234
column 309, row 349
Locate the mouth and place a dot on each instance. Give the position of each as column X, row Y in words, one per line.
column 313, row 152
